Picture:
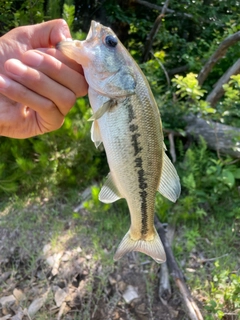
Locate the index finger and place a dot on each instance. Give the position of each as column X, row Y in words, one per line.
column 63, row 58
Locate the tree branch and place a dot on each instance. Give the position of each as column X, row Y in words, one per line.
column 154, row 31
column 218, row 54
column 177, row 70
column 190, row 305
column 218, row 90
column 156, row 7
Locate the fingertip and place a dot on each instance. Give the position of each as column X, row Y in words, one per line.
column 64, row 30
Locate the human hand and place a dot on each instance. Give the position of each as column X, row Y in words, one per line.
column 37, row 87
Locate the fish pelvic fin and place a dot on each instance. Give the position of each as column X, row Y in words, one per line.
column 109, row 192
column 95, row 134
column 153, row 248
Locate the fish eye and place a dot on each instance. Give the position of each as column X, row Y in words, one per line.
column 111, row 41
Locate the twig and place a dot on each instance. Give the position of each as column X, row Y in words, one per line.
column 164, row 291
column 154, row 31
column 61, row 310
column 191, row 307
column 213, row 259
column 218, row 54
column 172, row 147
column 163, row 68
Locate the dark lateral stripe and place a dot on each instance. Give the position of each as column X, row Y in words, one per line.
column 131, row 114
column 133, row 127
column 142, row 184
column 135, row 143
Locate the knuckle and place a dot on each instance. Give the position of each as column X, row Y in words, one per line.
column 67, row 101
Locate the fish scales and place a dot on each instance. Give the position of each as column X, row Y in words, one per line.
column 127, row 120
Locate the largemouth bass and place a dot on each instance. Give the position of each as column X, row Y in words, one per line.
column 126, row 120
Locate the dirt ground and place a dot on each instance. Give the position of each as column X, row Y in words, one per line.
column 70, row 284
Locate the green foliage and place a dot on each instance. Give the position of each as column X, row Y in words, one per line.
column 188, row 86
column 54, row 8
column 61, row 158
column 210, row 185
column 30, row 12
column 225, row 288
column 68, row 14
column 6, row 17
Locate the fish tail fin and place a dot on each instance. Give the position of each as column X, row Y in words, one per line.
column 153, row 248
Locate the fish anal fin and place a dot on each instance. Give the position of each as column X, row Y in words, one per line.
column 109, row 192
column 95, row 134
column 153, row 248
column 169, row 185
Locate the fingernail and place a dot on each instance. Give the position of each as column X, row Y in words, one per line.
column 15, row 67
column 4, row 82
column 33, row 59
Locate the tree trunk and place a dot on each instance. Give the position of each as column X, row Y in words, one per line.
column 222, row 138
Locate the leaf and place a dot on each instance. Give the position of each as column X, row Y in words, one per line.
column 228, row 178
column 19, row 315
column 19, row 295
column 8, row 316
column 237, row 174
column 37, row 304
column 60, row 296
column 7, row 300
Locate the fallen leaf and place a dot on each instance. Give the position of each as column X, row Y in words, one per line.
column 8, row 316
column 5, row 276
column 54, row 262
column 130, row 294
column 19, row 315
column 19, row 295
column 46, row 248
column 66, row 256
column 7, row 300
column 37, row 304
column 60, row 296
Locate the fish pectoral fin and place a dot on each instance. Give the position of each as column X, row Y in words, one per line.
column 169, row 185
column 95, row 134
column 100, row 112
column 109, row 192
column 153, row 248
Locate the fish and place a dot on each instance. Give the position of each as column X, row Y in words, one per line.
column 126, row 119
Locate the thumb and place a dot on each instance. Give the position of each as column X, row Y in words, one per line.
column 48, row 34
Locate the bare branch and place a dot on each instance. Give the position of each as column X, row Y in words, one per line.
column 156, row 7
column 190, row 305
column 218, row 90
column 154, row 31
column 177, row 70
column 218, row 54
column 172, row 146
column 163, row 68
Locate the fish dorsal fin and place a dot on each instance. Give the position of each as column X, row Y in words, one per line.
column 169, row 185
column 103, row 109
column 109, row 192
column 95, row 134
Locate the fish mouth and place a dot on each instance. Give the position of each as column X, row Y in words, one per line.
column 94, row 30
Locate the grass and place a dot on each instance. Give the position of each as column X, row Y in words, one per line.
column 207, row 251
